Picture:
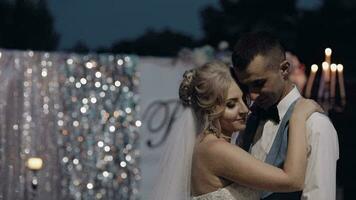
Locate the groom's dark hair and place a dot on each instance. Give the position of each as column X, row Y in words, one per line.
column 253, row 44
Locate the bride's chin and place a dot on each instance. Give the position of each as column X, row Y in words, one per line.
column 241, row 127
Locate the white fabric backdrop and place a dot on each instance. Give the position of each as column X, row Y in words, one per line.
column 160, row 78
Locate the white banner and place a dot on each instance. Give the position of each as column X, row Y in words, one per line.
column 160, row 79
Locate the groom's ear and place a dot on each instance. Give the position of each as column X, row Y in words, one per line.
column 285, row 69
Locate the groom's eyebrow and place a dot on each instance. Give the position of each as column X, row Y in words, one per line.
column 258, row 82
column 253, row 80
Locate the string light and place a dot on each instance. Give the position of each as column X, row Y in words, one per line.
column 70, row 92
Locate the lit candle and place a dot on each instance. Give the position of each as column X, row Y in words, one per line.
column 333, row 68
column 321, row 85
column 34, row 163
column 326, row 69
column 340, row 69
column 328, row 52
column 313, row 70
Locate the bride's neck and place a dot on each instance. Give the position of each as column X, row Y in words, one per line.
column 226, row 138
column 222, row 136
column 226, row 135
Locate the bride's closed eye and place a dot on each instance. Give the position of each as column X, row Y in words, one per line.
column 230, row 105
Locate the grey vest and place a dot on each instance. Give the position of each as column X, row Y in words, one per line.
column 278, row 151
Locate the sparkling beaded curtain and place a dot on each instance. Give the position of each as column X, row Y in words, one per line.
column 79, row 115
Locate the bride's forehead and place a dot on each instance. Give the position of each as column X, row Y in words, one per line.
column 234, row 91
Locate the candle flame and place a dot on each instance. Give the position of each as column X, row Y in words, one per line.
column 314, row 68
column 325, row 66
column 328, row 51
column 333, row 67
column 340, row 67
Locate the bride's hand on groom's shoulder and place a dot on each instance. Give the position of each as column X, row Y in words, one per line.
column 304, row 108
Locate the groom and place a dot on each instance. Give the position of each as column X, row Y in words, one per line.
column 259, row 63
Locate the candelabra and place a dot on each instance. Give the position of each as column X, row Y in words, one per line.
column 326, row 91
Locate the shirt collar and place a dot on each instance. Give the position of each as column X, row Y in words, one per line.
column 284, row 104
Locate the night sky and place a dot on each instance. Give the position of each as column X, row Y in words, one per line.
column 99, row 23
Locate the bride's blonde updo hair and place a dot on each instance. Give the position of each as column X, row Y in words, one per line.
column 205, row 90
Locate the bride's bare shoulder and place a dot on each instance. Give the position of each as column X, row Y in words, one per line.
column 211, row 145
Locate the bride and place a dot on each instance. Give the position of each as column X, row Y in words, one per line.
column 200, row 163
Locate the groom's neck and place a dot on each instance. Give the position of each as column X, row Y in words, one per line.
column 287, row 88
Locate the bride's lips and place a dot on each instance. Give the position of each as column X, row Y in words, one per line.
column 240, row 120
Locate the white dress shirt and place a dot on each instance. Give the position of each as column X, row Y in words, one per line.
column 234, row 137
column 323, row 150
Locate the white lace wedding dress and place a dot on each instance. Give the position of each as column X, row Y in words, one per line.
column 175, row 168
column 230, row 192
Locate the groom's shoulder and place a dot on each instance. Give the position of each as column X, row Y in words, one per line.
column 317, row 118
column 322, row 134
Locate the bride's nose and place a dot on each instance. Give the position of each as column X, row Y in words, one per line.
column 243, row 109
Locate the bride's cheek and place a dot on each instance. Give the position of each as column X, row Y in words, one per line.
column 230, row 115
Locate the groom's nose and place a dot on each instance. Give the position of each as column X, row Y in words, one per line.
column 254, row 96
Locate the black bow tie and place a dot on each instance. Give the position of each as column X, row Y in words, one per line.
column 257, row 114
column 269, row 114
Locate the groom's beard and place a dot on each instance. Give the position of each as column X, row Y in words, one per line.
column 265, row 101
